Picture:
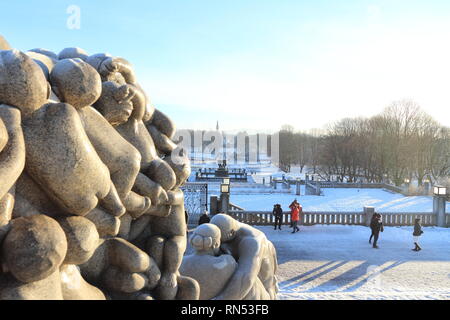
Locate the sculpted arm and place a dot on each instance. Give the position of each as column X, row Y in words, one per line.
column 244, row 277
column 12, row 157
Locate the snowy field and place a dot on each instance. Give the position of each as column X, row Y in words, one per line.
column 338, row 200
column 337, row 262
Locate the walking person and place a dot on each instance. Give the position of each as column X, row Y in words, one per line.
column 376, row 225
column 204, row 218
column 296, row 209
column 278, row 214
column 417, row 233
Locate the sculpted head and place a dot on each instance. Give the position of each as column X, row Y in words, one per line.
column 45, row 62
column 227, row 225
column 115, row 102
column 73, row 53
column 75, row 82
column 206, row 239
column 45, row 52
column 180, row 164
column 34, row 248
column 22, row 82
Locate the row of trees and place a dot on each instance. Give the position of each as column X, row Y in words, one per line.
column 403, row 142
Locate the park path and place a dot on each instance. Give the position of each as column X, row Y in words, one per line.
column 337, row 262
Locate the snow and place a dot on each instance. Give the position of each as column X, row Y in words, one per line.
column 337, row 199
column 337, row 262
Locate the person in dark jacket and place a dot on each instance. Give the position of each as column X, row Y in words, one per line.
column 416, row 234
column 376, row 225
column 278, row 214
column 204, row 218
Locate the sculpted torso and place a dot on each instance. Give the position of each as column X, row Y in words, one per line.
column 212, row 273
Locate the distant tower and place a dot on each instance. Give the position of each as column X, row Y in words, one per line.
column 217, row 125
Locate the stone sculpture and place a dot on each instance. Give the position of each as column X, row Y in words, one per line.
column 255, row 253
column 212, row 268
column 90, row 200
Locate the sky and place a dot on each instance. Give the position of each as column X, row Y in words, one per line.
column 257, row 64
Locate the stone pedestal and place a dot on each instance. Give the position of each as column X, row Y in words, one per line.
column 224, row 202
column 368, row 212
column 297, row 191
column 213, row 205
column 439, row 210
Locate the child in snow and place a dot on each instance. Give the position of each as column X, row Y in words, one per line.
column 416, row 234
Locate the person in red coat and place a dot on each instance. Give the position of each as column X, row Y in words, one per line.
column 296, row 209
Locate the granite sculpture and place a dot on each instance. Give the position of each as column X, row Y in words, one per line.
column 256, row 256
column 90, row 200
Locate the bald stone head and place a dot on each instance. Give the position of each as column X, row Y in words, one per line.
column 22, row 82
column 45, row 62
column 206, row 238
column 45, row 52
column 227, row 225
column 75, row 82
column 73, row 53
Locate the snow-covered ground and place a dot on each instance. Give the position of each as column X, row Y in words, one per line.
column 337, row 262
column 338, row 200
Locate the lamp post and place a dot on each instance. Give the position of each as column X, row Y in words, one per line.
column 407, row 181
column 439, row 201
column 426, row 184
column 297, row 192
column 225, row 195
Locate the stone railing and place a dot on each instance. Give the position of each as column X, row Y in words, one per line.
column 407, row 219
column 234, row 207
column 312, row 189
column 359, row 185
column 261, row 218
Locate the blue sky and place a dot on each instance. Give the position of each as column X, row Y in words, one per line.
column 257, row 65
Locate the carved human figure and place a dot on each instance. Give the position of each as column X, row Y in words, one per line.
column 60, row 157
column 124, row 104
column 255, row 254
column 78, row 84
column 118, row 106
column 212, row 268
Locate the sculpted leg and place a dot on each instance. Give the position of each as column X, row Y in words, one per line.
column 172, row 257
column 112, row 202
column 155, row 249
column 188, row 289
column 149, row 188
column 107, row 225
